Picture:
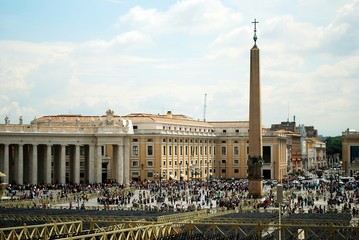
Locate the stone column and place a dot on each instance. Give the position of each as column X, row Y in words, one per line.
column 62, row 169
column 118, row 162
column 126, row 161
column 33, row 164
column 98, row 164
column 90, row 163
column 5, row 168
column 19, row 162
column 114, row 163
column 75, row 175
column 60, row 163
column 47, row 164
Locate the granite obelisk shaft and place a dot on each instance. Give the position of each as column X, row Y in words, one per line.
column 255, row 160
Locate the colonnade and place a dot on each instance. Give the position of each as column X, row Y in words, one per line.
column 38, row 163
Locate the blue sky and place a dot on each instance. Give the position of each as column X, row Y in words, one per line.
column 85, row 56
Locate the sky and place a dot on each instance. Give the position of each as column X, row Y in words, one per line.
column 190, row 57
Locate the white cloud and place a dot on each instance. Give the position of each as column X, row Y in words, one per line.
column 133, row 39
column 187, row 16
column 168, row 58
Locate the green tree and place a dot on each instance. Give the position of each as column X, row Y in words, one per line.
column 334, row 145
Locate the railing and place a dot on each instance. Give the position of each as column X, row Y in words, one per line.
column 43, row 231
column 181, row 230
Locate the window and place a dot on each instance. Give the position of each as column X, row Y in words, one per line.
column 135, row 163
column 267, row 154
column 149, row 150
column 170, row 150
column 223, row 170
column 236, row 161
column 176, row 150
column 135, row 173
column 236, row 150
column 135, row 127
column 135, row 150
column 149, row 174
column 236, row 170
column 224, row 151
column 223, row 161
column 181, row 150
column 224, row 131
column 149, row 163
column 164, row 150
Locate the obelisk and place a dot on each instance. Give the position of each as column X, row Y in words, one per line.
column 255, row 160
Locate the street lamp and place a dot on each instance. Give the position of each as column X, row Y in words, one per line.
column 280, row 201
column 333, row 176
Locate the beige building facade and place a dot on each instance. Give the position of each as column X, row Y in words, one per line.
column 186, row 149
column 171, row 147
column 350, row 153
column 83, row 149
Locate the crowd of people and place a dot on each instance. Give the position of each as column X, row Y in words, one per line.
column 173, row 195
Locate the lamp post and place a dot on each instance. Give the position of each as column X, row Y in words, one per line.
column 334, row 177
column 160, row 184
column 280, row 201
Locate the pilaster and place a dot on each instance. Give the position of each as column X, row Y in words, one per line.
column 126, row 161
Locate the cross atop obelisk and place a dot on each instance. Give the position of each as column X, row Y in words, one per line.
column 255, row 31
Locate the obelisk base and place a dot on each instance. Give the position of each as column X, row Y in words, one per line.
column 255, row 187
column 255, row 177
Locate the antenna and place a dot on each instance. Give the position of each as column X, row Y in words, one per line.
column 204, row 107
column 288, row 113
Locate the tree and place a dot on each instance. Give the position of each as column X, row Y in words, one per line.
column 334, row 145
